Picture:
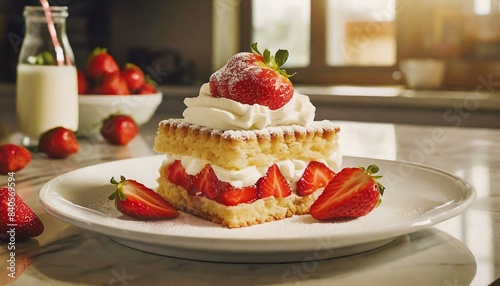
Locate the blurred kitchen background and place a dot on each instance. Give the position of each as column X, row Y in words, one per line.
column 337, row 47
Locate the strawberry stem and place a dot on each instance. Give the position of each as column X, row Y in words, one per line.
column 373, row 169
column 273, row 61
column 98, row 50
column 118, row 191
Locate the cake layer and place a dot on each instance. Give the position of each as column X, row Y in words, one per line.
column 246, row 214
column 239, row 149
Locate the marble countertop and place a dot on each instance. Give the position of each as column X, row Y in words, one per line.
column 464, row 250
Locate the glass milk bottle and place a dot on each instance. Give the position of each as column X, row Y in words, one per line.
column 47, row 86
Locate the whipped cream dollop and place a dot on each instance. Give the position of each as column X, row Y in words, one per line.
column 226, row 114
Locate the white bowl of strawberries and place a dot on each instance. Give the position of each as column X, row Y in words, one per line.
column 105, row 89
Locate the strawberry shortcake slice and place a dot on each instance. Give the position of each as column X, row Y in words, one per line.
column 248, row 150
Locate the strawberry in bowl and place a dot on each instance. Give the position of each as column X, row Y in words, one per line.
column 105, row 89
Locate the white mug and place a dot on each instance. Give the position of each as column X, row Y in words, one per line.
column 423, row 73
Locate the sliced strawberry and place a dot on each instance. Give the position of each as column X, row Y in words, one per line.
column 232, row 196
column 273, row 184
column 17, row 220
column 177, row 175
column 13, row 158
column 205, row 182
column 119, row 129
column 316, row 175
column 136, row 200
column 58, row 143
column 254, row 78
column 353, row 192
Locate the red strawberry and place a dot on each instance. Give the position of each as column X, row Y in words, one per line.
column 273, row 184
column 82, row 82
column 205, row 182
column 13, row 158
column 136, row 200
column 58, row 143
column 232, row 196
column 119, row 129
column 101, row 63
column 353, row 192
column 134, row 77
column 254, row 78
column 177, row 175
column 316, row 175
column 17, row 220
column 113, row 84
column 17, row 263
column 147, row 88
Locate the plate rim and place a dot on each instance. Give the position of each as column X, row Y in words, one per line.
column 302, row 243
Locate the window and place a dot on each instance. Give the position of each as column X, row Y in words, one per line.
column 283, row 23
column 360, row 32
column 363, row 42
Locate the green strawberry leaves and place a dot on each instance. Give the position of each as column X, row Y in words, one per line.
column 118, row 191
column 273, row 61
column 373, row 169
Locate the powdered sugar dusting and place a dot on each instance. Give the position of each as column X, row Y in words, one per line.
column 232, row 73
column 427, row 197
column 315, row 126
column 246, row 78
column 298, row 226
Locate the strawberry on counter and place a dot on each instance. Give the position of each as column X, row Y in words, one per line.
column 24, row 224
column 13, row 158
column 58, row 143
column 119, row 129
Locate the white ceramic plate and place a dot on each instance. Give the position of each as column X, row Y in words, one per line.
column 416, row 197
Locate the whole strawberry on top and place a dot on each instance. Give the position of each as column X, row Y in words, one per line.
column 254, row 78
column 352, row 193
